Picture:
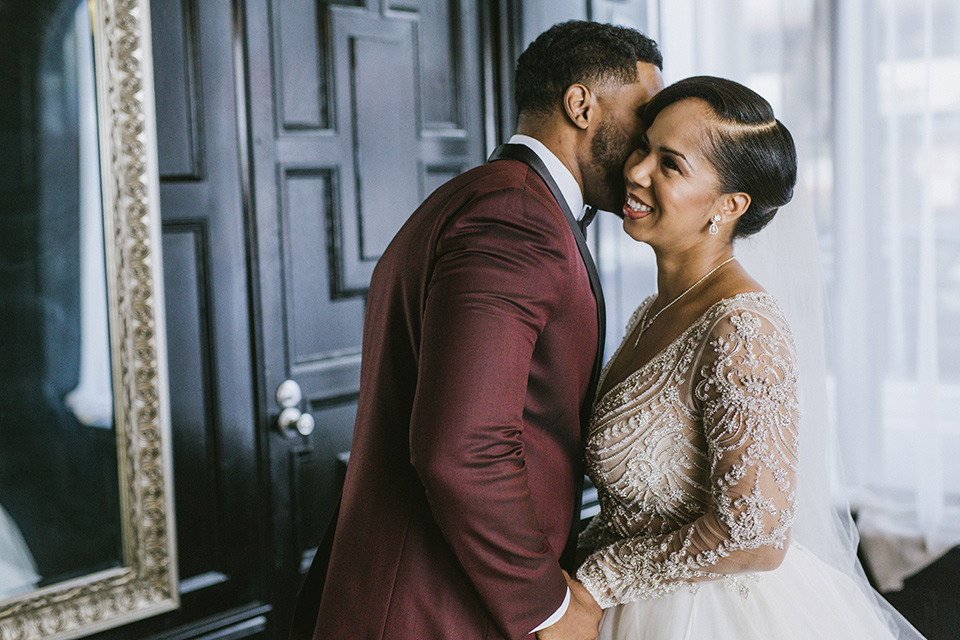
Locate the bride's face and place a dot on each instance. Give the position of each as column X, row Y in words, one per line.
column 672, row 189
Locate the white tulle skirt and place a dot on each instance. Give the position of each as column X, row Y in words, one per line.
column 803, row 599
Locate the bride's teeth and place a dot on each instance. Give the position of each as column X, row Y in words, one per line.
column 637, row 205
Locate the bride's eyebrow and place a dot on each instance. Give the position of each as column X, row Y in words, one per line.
column 673, row 152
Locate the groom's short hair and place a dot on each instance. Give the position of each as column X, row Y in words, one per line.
column 591, row 53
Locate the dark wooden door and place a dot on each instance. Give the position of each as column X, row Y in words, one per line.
column 356, row 112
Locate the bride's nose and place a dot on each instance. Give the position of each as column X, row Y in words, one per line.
column 638, row 167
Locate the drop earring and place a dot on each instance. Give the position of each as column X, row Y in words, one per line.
column 714, row 229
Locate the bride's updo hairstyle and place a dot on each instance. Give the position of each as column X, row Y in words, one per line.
column 751, row 151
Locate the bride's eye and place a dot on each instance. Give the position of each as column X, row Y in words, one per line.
column 669, row 164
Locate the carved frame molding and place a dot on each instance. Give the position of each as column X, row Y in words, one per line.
column 147, row 583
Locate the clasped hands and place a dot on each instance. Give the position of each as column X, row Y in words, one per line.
column 581, row 621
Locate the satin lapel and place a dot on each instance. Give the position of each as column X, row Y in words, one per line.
column 527, row 156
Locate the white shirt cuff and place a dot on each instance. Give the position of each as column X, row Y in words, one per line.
column 556, row 614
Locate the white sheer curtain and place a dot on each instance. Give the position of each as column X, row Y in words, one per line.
column 871, row 91
column 897, row 274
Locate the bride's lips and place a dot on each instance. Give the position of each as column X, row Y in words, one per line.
column 636, row 209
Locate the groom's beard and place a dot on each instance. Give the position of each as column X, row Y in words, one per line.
column 608, row 153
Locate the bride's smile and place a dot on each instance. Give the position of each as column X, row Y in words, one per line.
column 636, row 209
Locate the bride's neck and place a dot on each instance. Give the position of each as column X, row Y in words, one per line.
column 676, row 272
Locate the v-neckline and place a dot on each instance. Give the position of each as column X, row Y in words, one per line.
column 662, row 352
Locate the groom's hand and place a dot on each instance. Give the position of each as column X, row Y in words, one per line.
column 581, row 620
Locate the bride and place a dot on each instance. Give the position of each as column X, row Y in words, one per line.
column 695, row 442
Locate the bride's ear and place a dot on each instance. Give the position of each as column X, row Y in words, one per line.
column 734, row 205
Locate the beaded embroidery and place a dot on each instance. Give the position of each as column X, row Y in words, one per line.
column 695, row 458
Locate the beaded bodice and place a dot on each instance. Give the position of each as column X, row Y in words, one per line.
column 694, row 457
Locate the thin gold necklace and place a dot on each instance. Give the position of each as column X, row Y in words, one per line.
column 644, row 325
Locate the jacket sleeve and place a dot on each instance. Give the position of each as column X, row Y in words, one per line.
column 747, row 396
column 500, row 274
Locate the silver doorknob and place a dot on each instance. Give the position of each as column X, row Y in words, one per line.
column 289, row 394
column 291, row 420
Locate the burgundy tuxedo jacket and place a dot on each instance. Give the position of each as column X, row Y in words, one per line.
column 479, row 349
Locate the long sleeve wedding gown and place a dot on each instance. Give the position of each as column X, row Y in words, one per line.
column 695, row 459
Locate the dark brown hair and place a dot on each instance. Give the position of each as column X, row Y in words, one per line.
column 578, row 51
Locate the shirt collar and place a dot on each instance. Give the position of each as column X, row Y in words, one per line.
column 560, row 174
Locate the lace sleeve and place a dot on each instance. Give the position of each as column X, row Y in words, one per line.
column 598, row 533
column 746, row 395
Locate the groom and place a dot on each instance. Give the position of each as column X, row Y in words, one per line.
column 481, row 350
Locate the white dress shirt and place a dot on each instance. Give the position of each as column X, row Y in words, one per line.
column 569, row 186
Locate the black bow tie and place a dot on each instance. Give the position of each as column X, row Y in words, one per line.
column 587, row 218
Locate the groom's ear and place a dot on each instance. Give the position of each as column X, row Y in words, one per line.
column 578, row 104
